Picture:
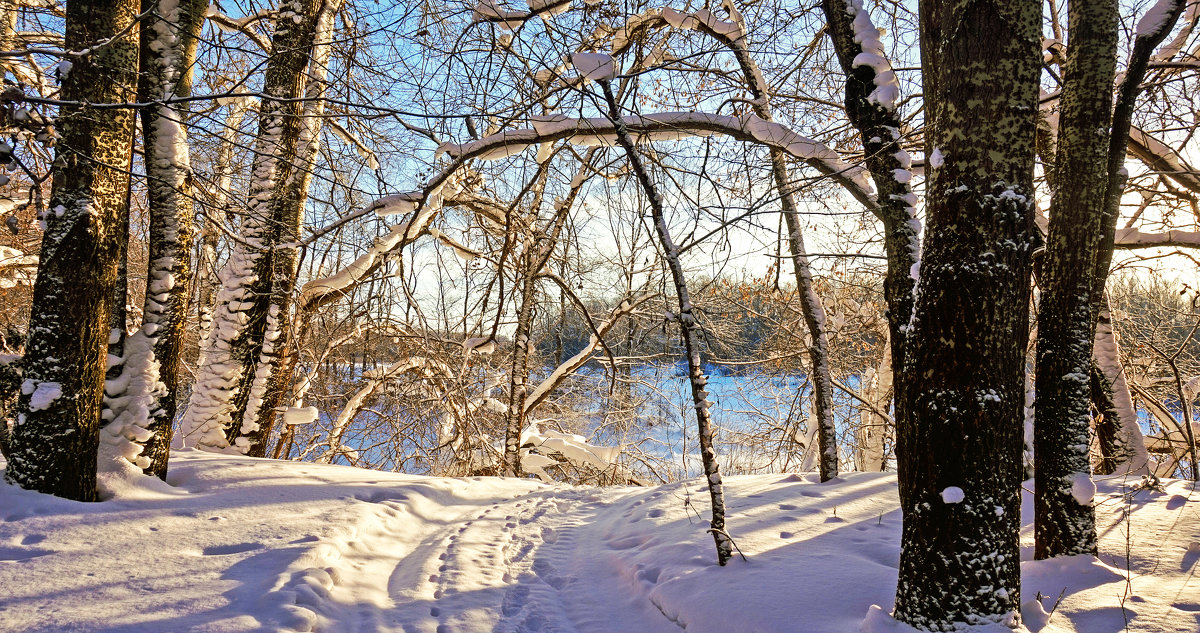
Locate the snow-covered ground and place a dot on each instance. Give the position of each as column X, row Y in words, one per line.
column 238, row 544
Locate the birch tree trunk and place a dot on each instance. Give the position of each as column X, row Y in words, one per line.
column 518, row 370
column 875, row 426
column 208, row 278
column 810, row 304
column 959, row 406
column 688, row 332
column 54, row 443
column 536, row 249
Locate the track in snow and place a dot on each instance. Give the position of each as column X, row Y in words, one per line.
column 505, row 567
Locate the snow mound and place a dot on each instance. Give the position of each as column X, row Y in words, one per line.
column 235, row 544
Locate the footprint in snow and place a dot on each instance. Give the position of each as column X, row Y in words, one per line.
column 19, row 554
column 533, row 517
column 534, row 622
column 514, row 600
column 381, row 496
column 548, row 573
column 524, row 551
column 225, row 550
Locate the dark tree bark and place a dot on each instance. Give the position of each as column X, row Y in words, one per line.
column 54, row 443
column 959, row 408
column 879, row 130
column 1063, row 515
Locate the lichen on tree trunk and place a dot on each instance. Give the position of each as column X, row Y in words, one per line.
column 53, row 445
column 959, row 405
column 1065, row 523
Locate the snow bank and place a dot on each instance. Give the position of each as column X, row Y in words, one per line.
column 236, row 544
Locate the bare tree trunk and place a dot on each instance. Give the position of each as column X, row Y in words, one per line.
column 519, row 370
column 688, row 332
column 144, row 403
column 54, row 443
column 536, row 249
column 877, row 120
column 231, row 381
column 1063, row 515
column 875, row 426
column 810, row 304
column 273, row 371
column 959, row 406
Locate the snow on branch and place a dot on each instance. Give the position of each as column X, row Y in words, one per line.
column 349, row 138
column 1160, row 157
column 573, row 448
column 511, row 19
column 568, row 367
column 422, row 205
column 1133, row 238
column 1158, row 17
column 321, row 290
column 659, row 127
column 1153, row 153
column 423, row 367
column 241, row 25
column 866, row 35
column 594, row 66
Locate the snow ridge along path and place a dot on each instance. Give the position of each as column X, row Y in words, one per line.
column 237, row 544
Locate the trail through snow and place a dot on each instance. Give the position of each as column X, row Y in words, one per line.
column 236, row 544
